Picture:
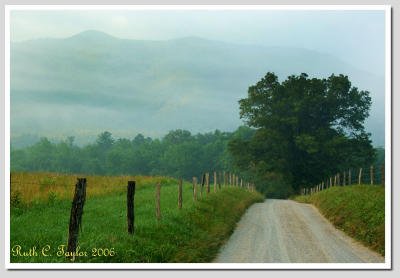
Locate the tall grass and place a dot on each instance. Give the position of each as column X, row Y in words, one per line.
column 358, row 210
column 39, row 188
column 193, row 234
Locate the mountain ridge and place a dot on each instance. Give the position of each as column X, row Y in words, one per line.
column 179, row 83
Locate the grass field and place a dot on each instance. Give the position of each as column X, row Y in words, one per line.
column 358, row 210
column 194, row 234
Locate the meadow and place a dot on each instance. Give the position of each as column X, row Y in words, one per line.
column 358, row 210
column 41, row 203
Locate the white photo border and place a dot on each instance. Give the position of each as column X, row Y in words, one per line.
column 199, row 266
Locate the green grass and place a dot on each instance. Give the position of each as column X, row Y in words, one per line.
column 358, row 210
column 193, row 234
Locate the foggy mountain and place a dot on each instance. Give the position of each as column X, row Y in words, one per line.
column 92, row 82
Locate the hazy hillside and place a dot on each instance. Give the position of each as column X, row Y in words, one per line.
column 92, row 82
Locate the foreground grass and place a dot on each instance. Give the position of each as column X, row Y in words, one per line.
column 193, row 234
column 358, row 210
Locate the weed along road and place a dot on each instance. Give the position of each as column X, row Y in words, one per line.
column 284, row 231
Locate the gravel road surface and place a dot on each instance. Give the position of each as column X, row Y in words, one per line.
column 284, row 231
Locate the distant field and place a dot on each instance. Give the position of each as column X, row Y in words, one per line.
column 40, row 217
column 358, row 210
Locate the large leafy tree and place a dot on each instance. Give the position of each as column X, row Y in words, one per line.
column 306, row 129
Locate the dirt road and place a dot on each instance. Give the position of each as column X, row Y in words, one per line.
column 283, row 231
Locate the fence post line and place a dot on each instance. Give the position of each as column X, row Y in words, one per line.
column 372, row 174
column 338, row 179
column 180, row 194
column 130, row 206
column 158, row 190
column 334, row 184
column 75, row 219
column 383, row 175
column 349, row 176
column 195, row 188
column 359, row 176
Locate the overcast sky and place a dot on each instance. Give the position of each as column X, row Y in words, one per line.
column 356, row 37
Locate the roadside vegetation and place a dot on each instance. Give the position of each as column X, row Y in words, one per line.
column 358, row 210
column 193, row 234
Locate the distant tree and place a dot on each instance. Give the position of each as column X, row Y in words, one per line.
column 182, row 160
column 105, row 141
column 177, row 136
column 138, row 140
column 306, row 129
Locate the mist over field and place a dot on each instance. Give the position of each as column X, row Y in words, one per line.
column 92, row 81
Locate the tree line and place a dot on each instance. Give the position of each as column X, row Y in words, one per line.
column 178, row 154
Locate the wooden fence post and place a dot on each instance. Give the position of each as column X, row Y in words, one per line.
column 215, row 182
column 130, row 206
column 219, row 180
column 195, row 188
column 338, row 179
column 202, row 184
column 334, row 184
column 158, row 190
column 75, row 219
column 372, row 174
column 330, row 181
column 349, row 176
column 383, row 175
column 180, row 194
column 208, row 182
column 224, row 179
column 359, row 176
column 344, row 178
